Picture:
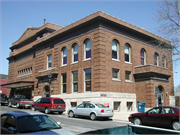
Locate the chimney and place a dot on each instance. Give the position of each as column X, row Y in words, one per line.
column 44, row 21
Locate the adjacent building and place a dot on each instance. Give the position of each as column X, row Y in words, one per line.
column 99, row 58
column 3, row 80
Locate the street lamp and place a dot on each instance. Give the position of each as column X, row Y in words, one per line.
column 49, row 76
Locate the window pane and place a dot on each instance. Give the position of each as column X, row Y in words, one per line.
column 64, row 52
column 75, row 49
column 75, row 87
column 114, row 46
column 75, row 76
column 64, row 88
column 88, row 74
column 75, row 57
column 88, row 44
column 114, row 54
column 50, row 65
column 142, row 61
column 127, row 57
column 63, row 78
column 115, row 73
column 126, row 50
column 49, row 57
column 64, row 60
column 88, row 86
column 88, row 54
column 128, row 75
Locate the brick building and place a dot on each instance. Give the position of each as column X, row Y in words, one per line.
column 99, row 58
column 3, row 80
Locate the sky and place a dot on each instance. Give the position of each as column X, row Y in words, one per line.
column 17, row 15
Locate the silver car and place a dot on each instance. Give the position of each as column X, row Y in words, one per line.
column 92, row 110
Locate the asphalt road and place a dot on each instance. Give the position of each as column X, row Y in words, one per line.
column 76, row 125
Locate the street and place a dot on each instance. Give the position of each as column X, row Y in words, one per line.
column 76, row 125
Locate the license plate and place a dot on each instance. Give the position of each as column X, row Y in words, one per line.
column 26, row 105
column 59, row 106
column 108, row 110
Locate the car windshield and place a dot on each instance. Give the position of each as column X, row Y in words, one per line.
column 101, row 106
column 35, row 123
column 177, row 108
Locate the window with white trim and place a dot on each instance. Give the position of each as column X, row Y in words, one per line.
column 128, row 76
column 49, row 61
column 115, row 74
column 87, row 79
column 164, row 61
column 156, row 59
column 63, row 82
column 87, row 51
column 75, row 53
column 64, row 56
column 127, row 52
column 115, row 50
column 75, row 81
column 143, row 57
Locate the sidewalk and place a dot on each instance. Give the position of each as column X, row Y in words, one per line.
column 122, row 116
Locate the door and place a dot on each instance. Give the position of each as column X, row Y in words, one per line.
column 152, row 116
column 37, row 104
column 79, row 109
column 7, row 121
column 159, row 94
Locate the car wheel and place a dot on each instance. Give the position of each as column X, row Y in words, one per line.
column 137, row 121
column 93, row 116
column 71, row 114
column 9, row 104
column 47, row 110
column 175, row 125
column 33, row 109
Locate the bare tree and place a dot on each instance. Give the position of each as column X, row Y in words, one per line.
column 177, row 89
column 168, row 18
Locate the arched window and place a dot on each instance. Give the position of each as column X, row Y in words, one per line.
column 143, row 57
column 75, row 53
column 127, row 53
column 64, row 56
column 164, row 61
column 156, row 61
column 87, row 52
column 115, row 48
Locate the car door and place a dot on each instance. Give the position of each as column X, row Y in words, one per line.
column 7, row 121
column 166, row 116
column 79, row 109
column 152, row 116
column 87, row 109
column 37, row 104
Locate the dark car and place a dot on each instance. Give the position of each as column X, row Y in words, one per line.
column 163, row 116
column 4, row 99
column 20, row 122
column 49, row 104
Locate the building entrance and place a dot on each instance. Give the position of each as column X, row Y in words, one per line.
column 159, row 93
column 46, row 91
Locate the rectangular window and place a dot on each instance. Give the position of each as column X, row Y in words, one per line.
column 73, row 104
column 117, row 106
column 49, row 61
column 115, row 74
column 128, row 75
column 75, row 81
column 64, row 83
column 87, row 81
column 129, row 106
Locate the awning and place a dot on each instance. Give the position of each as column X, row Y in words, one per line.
column 17, row 84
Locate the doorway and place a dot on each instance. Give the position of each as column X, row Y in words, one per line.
column 159, row 94
column 46, row 91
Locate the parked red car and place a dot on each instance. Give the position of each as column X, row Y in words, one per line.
column 49, row 104
column 163, row 116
